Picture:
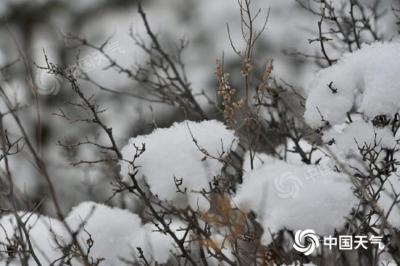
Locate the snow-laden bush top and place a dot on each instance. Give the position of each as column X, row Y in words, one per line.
column 42, row 233
column 366, row 81
column 296, row 197
column 113, row 234
column 116, row 233
column 182, row 151
column 348, row 138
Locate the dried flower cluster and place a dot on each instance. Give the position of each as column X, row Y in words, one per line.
column 228, row 95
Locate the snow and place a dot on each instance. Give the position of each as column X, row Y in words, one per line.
column 386, row 259
column 285, row 151
column 388, row 196
column 42, row 231
column 347, row 140
column 171, row 152
column 366, row 81
column 116, row 234
column 296, row 197
column 294, row 157
column 284, row 194
column 358, row 134
column 259, row 160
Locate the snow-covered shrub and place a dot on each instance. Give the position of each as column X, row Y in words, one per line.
column 296, row 197
column 115, row 235
column 254, row 159
column 364, row 81
column 44, row 234
column 356, row 103
column 188, row 156
column 107, row 235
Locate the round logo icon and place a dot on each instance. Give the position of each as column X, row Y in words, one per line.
column 47, row 84
column 306, row 241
